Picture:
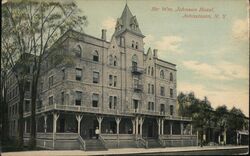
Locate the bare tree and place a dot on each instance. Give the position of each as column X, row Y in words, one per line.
column 35, row 26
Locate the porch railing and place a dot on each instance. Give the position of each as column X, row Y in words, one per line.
column 103, row 141
column 83, row 143
column 162, row 142
column 143, row 142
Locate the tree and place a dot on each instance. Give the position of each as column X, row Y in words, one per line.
column 35, row 26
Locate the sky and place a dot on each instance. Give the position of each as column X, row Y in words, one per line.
column 208, row 40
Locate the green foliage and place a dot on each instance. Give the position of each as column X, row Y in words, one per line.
column 205, row 117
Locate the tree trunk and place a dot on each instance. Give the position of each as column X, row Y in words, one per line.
column 20, row 119
column 33, row 114
column 4, row 113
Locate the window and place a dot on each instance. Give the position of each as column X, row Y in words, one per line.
column 148, row 88
column 115, row 102
column 27, row 86
column 51, row 79
column 110, row 80
column 110, row 59
column 51, row 100
column 162, row 74
column 95, row 99
column 136, row 83
column 152, row 71
column 115, row 81
column 115, row 61
column 136, row 45
column 63, row 74
column 151, row 106
column 78, row 98
column 171, row 92
column 78, row 51
column 133, row 43
column 152, row 89
column 162, row 108
column 78, row 74
column 134, row 61
column 62, row 98
column 149, row 70
column 171, row 109
column 162, row 91
column 95, row 77
column 136, row 104
column 171, row 76
column 110, row 102
column 95, row 56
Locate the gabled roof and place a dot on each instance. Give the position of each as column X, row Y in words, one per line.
column 127, row 22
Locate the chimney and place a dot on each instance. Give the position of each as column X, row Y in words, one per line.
column 155, row 51
column 104, row 34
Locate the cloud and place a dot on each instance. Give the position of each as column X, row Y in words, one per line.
column 224, row 95
column 169, row 43
column 149, row 39
column 240, row 30
column 220, row 71
column 109, row 23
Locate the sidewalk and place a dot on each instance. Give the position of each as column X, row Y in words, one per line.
column 118, row 151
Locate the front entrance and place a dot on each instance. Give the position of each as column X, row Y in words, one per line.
column 149, row 128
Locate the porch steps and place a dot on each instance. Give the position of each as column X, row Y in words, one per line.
column 153, row 143
column 94, row 145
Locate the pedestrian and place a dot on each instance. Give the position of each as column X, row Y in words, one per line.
column 97, row 132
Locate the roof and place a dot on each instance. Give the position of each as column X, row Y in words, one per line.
column 127, row 22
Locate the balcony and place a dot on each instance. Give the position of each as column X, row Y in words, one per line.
column 138, row 88
column 136, row 70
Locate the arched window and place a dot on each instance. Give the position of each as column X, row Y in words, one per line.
column 171, row 76
column 110, row 59
column 136, row 45
column 95, row 56
column 78, row 51
column 162, row 74
column 134, row 60
column 115, row 61
column 149, row 70
column 152, row 71
column 133, row 44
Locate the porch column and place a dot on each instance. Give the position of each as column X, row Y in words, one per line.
column 191, row 129
column 141, row 123
column 136, row 126
column 225, row 136
column 181, row 128
column 162, row 126
column 45, row 123
column 55, row 117
column 219, row 139
column 99, row 118
column 159, row 126
column 133, row 123
column 79, row 119
column 117, row 119
column 171, row 127
column 25, row 126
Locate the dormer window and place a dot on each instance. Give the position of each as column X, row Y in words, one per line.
column 133, row 44
column 115, row 61
column 136, row 45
